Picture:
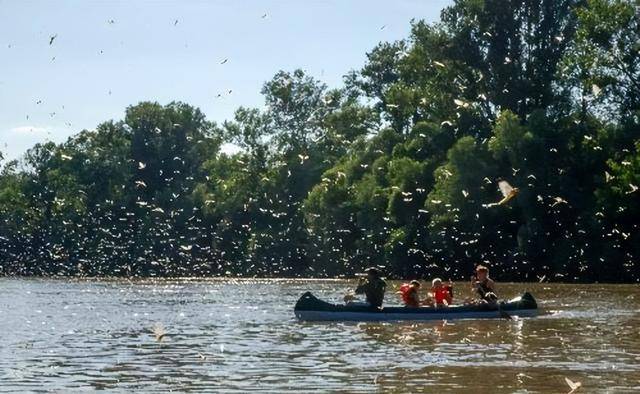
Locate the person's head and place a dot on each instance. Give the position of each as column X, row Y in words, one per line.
column 415, row 283
column 436, row 283
column 372, row 273
column 482, row 272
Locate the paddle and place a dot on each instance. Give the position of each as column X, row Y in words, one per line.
column 503, row 314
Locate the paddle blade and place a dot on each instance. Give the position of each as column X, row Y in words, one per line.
column 504, row 314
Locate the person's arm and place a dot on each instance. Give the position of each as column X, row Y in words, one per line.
column 431, row 297
column 491, row 285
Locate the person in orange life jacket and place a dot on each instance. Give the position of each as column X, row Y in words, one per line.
column 409, row 294
column 484, row 286
column 441, row 295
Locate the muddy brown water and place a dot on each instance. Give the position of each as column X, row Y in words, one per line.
column 241, row 335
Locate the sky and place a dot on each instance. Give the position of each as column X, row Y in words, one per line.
column 107, row 55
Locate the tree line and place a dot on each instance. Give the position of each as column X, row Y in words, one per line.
column 395, row 168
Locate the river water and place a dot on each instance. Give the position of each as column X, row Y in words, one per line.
column 241, row 335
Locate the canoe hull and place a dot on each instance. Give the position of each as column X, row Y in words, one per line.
column 372, row 316
column 310, row 308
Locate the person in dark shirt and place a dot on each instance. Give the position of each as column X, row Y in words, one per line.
column 373, row 287
column 484, row 286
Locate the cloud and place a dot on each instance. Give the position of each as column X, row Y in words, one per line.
column 15, row 141
column 28, row 129
column 230, row 149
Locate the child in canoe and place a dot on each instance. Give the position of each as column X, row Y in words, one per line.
column 441, row 295
column 409, row 294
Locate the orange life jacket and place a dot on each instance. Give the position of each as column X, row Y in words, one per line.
column 442, row 294
column 406, row 291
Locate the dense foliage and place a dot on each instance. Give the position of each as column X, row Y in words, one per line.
column 395, row 168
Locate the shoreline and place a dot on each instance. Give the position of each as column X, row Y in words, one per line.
column 248, row 279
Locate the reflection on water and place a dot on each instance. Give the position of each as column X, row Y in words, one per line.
column 230, row 335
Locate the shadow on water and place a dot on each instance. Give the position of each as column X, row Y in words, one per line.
column 239, row 335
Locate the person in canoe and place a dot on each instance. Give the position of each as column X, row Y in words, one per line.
column 372, row 286
column 410, row 295
column 441, row 295
column 483, row 285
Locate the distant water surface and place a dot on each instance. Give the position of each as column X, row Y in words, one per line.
column 239, row 335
